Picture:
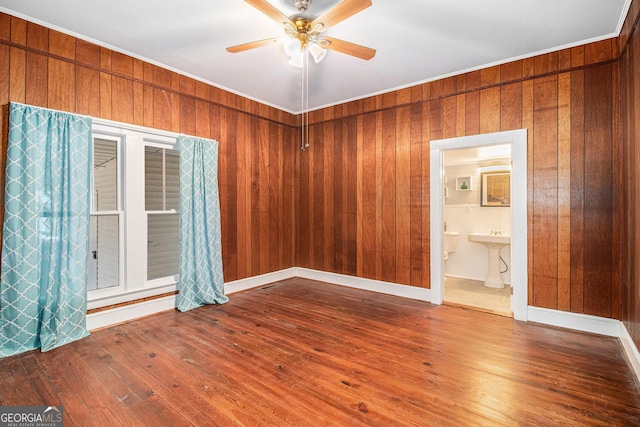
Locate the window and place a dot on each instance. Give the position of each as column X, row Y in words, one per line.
column 134, row 240
column 162, row 200
column 106, row 216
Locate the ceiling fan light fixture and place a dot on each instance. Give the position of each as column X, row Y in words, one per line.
column 317, row 52
column 292, row 46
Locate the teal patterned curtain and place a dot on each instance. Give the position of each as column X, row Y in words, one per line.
column 201, row 278
column 43, row 297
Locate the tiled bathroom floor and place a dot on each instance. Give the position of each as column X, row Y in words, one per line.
column 473, row 293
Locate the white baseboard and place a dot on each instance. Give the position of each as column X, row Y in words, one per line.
column 114, row 316
column 255, row 281
column 631, row 350
column 579, row 322
column 413, row 292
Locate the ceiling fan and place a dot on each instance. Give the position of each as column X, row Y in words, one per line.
column 304, row 30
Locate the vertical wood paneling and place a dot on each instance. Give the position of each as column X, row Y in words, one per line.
column 37, row 37
column 350, row 200
column 262, row 224
column 61, row 44
column 105, row 96
column 289, row 170
column 87, row 53
column 545, row 193
column 359, row 194
column 17, row 73
column 415, row 195
column 4, row 102
column 161, row 109
column 403, row 195
column 598, row 256
column 317, row 216
column 528, row 123
column 18, row 30
column 36, row 79
column 389, row 196
column 630, row 188
column 511, row 106
column 339, row 208
column 227, row 186
column 449, row 117
column 203, row 124
column 138, row 104
column 302, row 208
column 275, row 198
column 577, row 190
column 564, row 192
column 241, row 233
column 187, row 114
column 379, row 194
column 175, row 100
column 61, row 86
column 426, row 194
column 328, row 200
column 369, row 191
column 277, row 201
column 490, row 110
column 471, row 113
column 122, row 98
column 88, row 91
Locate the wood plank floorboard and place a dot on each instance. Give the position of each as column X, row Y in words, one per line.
column 306, row 353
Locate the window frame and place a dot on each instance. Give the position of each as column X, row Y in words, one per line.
column 165, row 146
column 133, row 230
column 119, row 212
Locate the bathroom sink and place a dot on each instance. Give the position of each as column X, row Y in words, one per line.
column 491, row 239
column 493, row 242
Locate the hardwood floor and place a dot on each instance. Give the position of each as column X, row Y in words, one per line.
column 306, row 353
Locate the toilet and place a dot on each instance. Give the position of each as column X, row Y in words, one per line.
column 450, row 243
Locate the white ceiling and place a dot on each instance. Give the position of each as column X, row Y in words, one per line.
column 416, row 40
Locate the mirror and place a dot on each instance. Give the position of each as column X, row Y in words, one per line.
column 495, row 189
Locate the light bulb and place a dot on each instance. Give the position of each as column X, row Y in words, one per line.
column 317, row 52
column 292, row 46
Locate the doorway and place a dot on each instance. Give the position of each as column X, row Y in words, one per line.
column 477, row 200
column 517, row 140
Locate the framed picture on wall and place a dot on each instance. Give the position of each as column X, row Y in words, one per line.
column 495, row 189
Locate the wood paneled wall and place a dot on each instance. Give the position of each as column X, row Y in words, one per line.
column 363, row 187
column 46, row 68
column 630, row 167
column 358, row 202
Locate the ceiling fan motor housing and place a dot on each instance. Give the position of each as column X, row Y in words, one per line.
column 302, row 5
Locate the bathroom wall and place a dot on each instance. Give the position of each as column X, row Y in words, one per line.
column 462, row 213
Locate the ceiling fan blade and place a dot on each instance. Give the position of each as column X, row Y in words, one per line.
column 340, row 12
column 349, row 48
column 251, row 45
column 269, row 10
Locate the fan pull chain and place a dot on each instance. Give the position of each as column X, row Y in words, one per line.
column 304, row 101
column 306, row 107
